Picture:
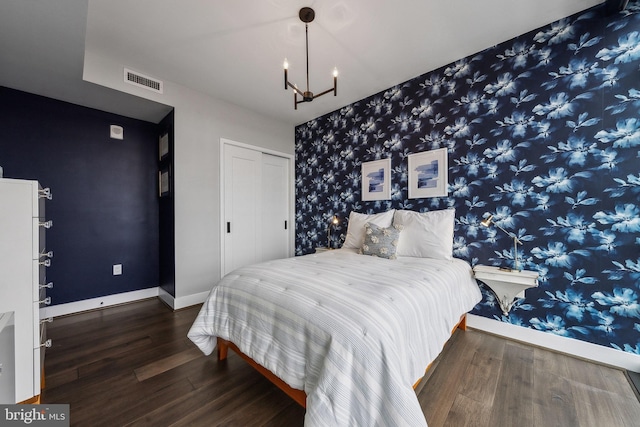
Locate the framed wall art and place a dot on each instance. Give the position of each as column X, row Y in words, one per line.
column 164, row 182
column 376, row 180
column 428, row 174
column 163, row 146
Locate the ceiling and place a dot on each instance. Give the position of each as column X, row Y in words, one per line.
column 234, row 50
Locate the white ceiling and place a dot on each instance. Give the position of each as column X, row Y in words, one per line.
column 234, row 50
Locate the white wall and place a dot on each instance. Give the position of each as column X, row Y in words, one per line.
column 200, row 122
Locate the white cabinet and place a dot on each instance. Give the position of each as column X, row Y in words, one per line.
column 506, row 284
column 23, row 262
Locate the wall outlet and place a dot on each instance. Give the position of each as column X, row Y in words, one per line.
column 117, row 269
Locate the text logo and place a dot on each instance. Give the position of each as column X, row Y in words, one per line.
column 34, row 415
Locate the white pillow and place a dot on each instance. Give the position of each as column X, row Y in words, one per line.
column 425, row 235
column 355, row 228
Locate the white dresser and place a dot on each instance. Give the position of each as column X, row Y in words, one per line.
column 23, row 284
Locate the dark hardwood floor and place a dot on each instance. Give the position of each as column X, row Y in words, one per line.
column 132, row 365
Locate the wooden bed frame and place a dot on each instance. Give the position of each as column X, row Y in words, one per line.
column 298, row 395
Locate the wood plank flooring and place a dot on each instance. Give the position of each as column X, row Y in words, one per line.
column 132, row 365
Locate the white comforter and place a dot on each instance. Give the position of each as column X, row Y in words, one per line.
column 354, row 332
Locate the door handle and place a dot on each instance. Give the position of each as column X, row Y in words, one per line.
column 285, row 224
column 228, row 227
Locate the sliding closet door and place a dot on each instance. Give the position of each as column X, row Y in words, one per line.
column 256, row 206
column 242, row 207
column 275, row 207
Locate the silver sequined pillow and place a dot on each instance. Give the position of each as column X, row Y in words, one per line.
column 379, row 241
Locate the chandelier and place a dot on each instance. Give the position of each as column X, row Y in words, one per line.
column 306, row 15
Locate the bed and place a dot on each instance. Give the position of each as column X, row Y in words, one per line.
column 345, row 334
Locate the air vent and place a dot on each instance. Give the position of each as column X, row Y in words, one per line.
column 138, row 79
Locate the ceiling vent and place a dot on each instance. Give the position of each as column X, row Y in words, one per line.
column 140, row 80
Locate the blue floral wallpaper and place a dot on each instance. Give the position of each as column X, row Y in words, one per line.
column 543, row 132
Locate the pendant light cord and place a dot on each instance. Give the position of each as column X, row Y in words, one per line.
column 306, row 34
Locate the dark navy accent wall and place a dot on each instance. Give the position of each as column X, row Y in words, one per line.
column 542, row 131
column 105, row 205
column 167, row 213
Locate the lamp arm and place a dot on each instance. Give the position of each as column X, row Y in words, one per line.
column 516, row 241
column 512, row 235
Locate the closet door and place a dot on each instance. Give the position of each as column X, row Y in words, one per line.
column 242, row 207
column 275, row 207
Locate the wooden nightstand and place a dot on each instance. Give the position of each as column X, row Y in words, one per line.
column 506, row 284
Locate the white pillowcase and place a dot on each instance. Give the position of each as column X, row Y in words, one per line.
column 355, row 227
column 427, row 234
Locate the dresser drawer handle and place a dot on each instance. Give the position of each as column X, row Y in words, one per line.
column 46, row 224
column 45, row 193
column 46, row 301
column 48, row 285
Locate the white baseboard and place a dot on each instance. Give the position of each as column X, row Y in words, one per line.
column 582, row 349
column 122, row 298
column 190, row 300
column 182, row 302
column 166, row 298
column 93, row 303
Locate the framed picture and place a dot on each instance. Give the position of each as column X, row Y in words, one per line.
column 428, row 174
column 163, row 146
column 376, row 180
column 164, row 186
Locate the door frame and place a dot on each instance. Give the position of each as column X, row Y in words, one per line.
column 291, row 217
